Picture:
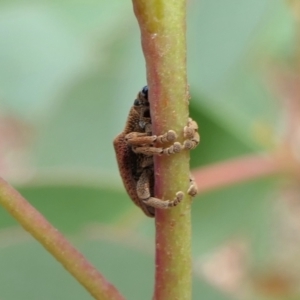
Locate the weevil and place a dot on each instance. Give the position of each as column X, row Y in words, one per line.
column 135, row 148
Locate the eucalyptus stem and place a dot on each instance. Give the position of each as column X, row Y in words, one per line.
column 163, row 25
column 56, row 244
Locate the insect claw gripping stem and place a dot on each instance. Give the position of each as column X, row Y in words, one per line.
column 168, row 137
column 175, row 148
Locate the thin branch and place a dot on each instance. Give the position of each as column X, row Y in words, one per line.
column 56, row 244
column 236, row 171
column 162, row 24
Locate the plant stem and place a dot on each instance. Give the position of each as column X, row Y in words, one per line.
column 163, row 24
column 237, row 170
column 56, row 244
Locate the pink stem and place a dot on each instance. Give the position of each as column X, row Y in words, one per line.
column 235, row 171
column 56, row 244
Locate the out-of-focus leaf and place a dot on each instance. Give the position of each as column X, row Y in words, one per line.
column 92, row 114
column 73, row 70
column 217, row 144
column 99, row 224
column 45, row 47
column 233, row 212
column 90, row 216
column 72, row 207
column 221, row 42
column 34, row 274
column 37, row 56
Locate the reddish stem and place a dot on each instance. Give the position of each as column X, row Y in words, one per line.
column 56, row 244
column 162, row 24
column 235, row 171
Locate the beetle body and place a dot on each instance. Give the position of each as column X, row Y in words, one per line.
column 131, row 164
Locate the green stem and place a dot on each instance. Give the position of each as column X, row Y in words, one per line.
column 56, row 244
column 163, row 24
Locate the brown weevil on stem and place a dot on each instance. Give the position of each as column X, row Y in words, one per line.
column 135, row 147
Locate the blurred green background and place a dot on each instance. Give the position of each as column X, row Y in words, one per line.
column 69, row 72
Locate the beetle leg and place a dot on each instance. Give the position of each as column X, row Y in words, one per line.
column 141, row 138
column 143, row 192
column 147, row 161
column 190, row 133
column 175, row 148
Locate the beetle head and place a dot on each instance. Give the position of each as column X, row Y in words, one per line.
column 141, row 103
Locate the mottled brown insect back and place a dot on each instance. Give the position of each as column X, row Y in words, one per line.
column 135, row 148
